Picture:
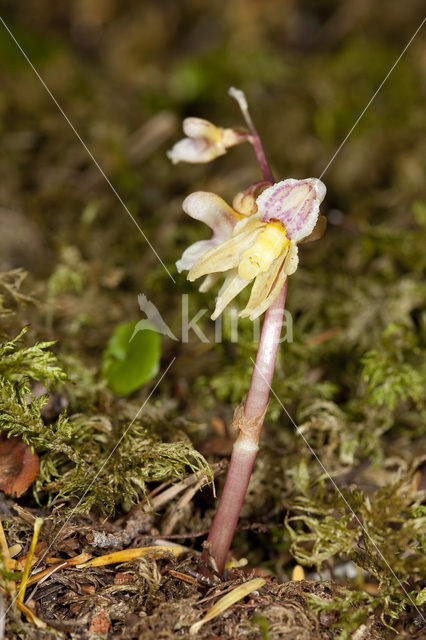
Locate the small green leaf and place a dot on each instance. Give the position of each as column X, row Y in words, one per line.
column 11, row 575
column 131, row 357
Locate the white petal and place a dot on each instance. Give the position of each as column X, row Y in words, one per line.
column 194, row 150
column 194, row 253
column 229, row 276
column 213, row 211
column 234, row 287
column 199, row 128
column 292, row 260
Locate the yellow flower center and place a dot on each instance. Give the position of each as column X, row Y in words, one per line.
column 269, row 244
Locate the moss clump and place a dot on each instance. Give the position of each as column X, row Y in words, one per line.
column 382, row 533
column 95, row 460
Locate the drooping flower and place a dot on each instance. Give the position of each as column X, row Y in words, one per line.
column 204, row 141
column 259, row 248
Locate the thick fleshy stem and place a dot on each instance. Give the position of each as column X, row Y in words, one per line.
column 249, row 421
column 239, row 96
column 263, row 372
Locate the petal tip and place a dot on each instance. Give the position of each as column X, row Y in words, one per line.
column 319, row 188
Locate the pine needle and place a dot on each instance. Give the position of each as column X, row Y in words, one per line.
column 37, row 526
column 131, row 554
column 227, row 601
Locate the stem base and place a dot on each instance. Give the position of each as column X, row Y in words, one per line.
column 231, row 501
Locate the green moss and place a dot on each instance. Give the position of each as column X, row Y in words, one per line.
column 381, row 532
column 355, row 607
column 397, row 371
column 89, row 458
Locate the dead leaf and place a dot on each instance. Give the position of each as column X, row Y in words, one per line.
column 19, row 466
column 218, row 426
column 217, row 446
column 123, row 578
column 100, row 623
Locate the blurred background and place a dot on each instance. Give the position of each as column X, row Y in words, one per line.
column 127, row 73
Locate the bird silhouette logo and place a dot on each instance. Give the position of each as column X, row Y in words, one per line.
column 153, row 321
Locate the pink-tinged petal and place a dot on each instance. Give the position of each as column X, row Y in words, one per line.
column 195, row 150
column 245, row 201
column 213, row 211
column 199, row 128
column 294, row 203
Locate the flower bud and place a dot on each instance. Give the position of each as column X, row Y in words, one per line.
column 245, row 201
column 204, row 141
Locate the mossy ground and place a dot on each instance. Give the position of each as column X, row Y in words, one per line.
column 353, row 378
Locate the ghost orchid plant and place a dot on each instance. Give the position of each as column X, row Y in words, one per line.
column 254, row 242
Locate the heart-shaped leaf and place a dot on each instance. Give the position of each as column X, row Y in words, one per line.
column 132, row 356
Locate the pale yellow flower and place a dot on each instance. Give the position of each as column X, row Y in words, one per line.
column 204, row 141
column 260, row 248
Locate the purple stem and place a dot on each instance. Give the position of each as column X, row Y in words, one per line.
column 260, row 154
column 230, row 503
column 263, row 372
column 246, row 446
column 255, row 139
column 250, row 420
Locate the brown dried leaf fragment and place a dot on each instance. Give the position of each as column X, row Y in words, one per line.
column 19, row 466
column 100, row 623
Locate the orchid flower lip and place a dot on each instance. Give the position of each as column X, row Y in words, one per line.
column 294, row 203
